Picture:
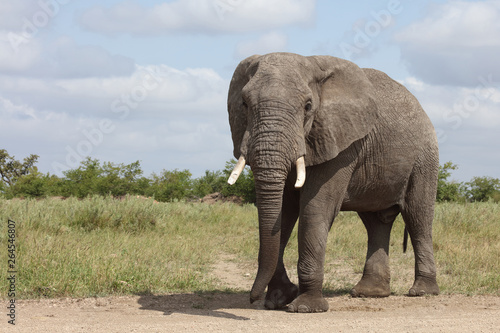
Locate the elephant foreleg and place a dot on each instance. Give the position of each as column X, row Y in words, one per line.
column 313, row 234
column 319, row 207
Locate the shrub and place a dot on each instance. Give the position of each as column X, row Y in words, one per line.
column 170, row 185
column 244, row 187
column 93, row 178
column 448, row 190
column 211, row 182
column 482, row 189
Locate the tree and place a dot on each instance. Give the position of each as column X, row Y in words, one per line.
column 120, row 179
column 211, row 182
column 32, row 185
column 93, row 178
column 11, row 169
column 170, row 185
column 482, row 188
column 20, row 178
column 82, row 181
column 448, row 190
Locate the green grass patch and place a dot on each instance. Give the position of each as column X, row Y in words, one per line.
column 467, row 245
column 102, row 246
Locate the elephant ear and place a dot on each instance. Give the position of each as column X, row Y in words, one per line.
column 347, row 110
column 237, row 111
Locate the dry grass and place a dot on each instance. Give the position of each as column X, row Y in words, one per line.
column 103, row 246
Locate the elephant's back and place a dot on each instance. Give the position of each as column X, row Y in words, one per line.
column 400, row 113
column 403, row 136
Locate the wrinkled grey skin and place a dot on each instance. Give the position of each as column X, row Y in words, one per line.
column 368, row 146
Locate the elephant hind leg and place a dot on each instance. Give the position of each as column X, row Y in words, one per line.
column 376, row 274
column 418, row 214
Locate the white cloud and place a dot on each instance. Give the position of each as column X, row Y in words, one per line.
column 158, row 113
column 198, row 16
column 66, row 59
column 149, row 90
column 28, row 130
column 455, row 44
column 9, row 109
column 17, row 57
column 13, row 13
column 22, row 22
column 452, row 108
column 458, row 24
column 271, row 42
column 61, row 58
column 466, row 121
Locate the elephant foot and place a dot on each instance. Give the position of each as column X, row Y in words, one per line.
column 371, row 286
column 424, row 285
column 279, row 297
column 308, row 304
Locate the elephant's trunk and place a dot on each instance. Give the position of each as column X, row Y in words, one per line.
column 272, row 147
column 269, row 191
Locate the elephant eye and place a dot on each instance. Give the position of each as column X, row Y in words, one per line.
column 308, row 106
column 244, row 104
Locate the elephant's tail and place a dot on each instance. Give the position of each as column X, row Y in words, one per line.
column 405, row 240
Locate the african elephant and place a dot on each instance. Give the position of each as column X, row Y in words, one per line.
column 322, row 135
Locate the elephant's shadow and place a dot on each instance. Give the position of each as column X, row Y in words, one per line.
column 209, row 303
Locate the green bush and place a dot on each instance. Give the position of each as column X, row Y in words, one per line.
column 32, row 185
column 482, row 189
column 22, row 179
column 496, row 197
column 448, row 190
column 170, row 185
column 211, row 182
column 216, row 181
column 244, row 187
column 97, row 213
column 93, row 178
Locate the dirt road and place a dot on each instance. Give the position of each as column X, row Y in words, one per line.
column 233, row 313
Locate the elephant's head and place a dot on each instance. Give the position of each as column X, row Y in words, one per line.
column 285, row 111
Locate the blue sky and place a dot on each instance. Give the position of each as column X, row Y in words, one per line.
column 122, row 81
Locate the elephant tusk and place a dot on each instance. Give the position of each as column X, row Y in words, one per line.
column 301, row 172
column 238, row 168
